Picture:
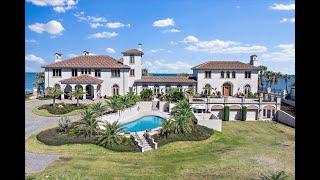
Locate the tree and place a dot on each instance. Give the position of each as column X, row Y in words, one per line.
column 263, row 70
column 114, row 104
column 87, row 127
column 39, row 82
column 87, row 114
column 182, row 108
column 133, row 98
column 109, row 135
column 98, row 108
column 167, row 127
column 184, row 125
column 145, row 72
column 146, row 94
column 173, row 95
column 191, row 90
column 77, row 93
column 54, row 92
column 183, row 116
column 286, row 77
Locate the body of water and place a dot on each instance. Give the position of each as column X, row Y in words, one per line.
column 30, row 77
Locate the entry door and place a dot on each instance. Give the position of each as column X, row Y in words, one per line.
column 226, row 91
column 268, row 113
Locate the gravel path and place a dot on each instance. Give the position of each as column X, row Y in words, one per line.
column 33, row 123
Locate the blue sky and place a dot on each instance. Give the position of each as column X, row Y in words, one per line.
column 176, row 34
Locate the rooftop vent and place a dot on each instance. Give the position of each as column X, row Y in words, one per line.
column 57, row 57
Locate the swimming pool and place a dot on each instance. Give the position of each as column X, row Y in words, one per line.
column 142, row 124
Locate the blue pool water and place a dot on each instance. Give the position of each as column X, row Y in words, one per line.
column 142, row 124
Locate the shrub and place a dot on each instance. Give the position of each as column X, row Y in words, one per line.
column 146, row 94
column 61, row 108
column 226, row 112
column 244, row 113
column 64, row 123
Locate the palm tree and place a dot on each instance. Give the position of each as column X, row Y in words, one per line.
column 114, row 104
column 109, row 135
column 133, row 98
column 167, row 127
column 183, row 124
column 263, row 70
column 145, row 72
column 182, row 108
column 98, row 108
column 39, row 82
column 87, row 127
column 190, row 90
column 54, row 92
column 77, row 93
column 286, row 77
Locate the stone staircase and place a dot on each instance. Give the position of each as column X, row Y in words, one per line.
column 141, row 141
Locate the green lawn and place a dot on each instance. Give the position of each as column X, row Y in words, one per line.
column 243, row 150
column 44, row 112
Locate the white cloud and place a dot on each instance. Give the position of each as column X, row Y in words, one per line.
column 92, row 20
column 110, row 50
column 30, row 41
column 101, row 35
column 52, row 27
column 115, row 25
column 224, row 47
column 72, row 55
column 59, row 6
column 286, row 20
column 238, row 7
column 162, row 66
column 171, row 31
column 164, row 22
column 284, row 53
column 152, row 51
column 34, row 58
column 190, row 39
column 283, row 7
column 173, row 43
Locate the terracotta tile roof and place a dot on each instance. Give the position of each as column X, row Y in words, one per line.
column 82, row 79
column 132, row 52
column 120, row 60
column 88, row 62
column 225, row 65
column 163, row 79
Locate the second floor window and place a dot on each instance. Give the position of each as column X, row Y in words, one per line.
column 208, row 74
column 74, row 72
column 85, row 71
column 228, row 74
column 247, row 74
column 131, row 59
column 222, row 74
column 97, row 73
column 56, row 72
column 115, row 73
column 233, row 74
column 131, row 72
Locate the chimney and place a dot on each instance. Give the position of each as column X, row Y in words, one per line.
column 85, row 53
column 57, row 57
column 140, row 47
column 254, row 60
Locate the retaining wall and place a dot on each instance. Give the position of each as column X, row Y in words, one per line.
column 285, row 118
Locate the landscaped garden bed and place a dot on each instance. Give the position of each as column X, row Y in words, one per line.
column 59, row 109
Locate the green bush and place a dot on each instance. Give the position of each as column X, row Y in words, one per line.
column 244, row 113
column 226, row 112
column 146, row 94
column 44, row 97
column 61, row 108
column 199, row 133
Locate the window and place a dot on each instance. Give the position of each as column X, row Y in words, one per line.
column 74, row 72
column 115, row 90
column 85, row 71
column 273, row 112
column 156, row 89
column 115, row 73
column 131, row 59
column 179, row 88
column 168, row 87
column 56, row 72
column 131, row 72
column 208, row 74
column 228, row 74
column 264, row 112
column 97, row 73
column 144, row 87
column 222, row 74
column 247, row 74
column 247, row 89
column 233, row 74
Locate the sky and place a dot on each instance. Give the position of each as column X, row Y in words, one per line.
column 175, row 35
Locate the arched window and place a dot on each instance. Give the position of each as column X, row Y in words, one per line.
column 247, row 89
column 179, row 88
column 233, row 74
column 207, row 89
column 222, row 74
column 156, row 89
column 115, row 90
column 144, row 87
column 168, row 87
column 228, row 74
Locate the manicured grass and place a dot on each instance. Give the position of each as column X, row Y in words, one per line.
column 244, row 150
column 44, row 112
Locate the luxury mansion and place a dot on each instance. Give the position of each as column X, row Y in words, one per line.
column 102, row 76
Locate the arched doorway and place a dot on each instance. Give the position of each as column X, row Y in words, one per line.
column 89, row 92
column 115, row 90
column 79, row 87
column 67, row 91
column 227, row 89
column 59, row 87
column 207, row 89
column 247, row 89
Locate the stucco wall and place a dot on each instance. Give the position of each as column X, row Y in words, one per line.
column 285, row 118
column 286, row 101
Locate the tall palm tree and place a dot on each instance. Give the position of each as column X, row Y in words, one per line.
column 54, row 92
column 77, row 93
column 98, row 108
column 183, row 124
column 182, row 108
column 109, row 135
column 263, row 70
column 133, row 98
column 114, row 104
column 39, row 82
column 286, row 77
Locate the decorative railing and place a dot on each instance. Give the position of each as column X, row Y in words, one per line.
column 137, row 141
column 150, row 140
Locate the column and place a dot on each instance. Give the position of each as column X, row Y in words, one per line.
column 94, row 91
column 72, row 89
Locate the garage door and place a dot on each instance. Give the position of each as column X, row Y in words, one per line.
column 235, row 114
column 217, row 113
column 251, row 114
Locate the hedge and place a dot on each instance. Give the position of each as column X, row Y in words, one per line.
column 61, row 108
column 244, row 113
column 226, row 112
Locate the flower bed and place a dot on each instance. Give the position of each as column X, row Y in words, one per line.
column 61, row 108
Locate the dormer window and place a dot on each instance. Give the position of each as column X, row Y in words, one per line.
column 222, row 74
column 131, row 59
